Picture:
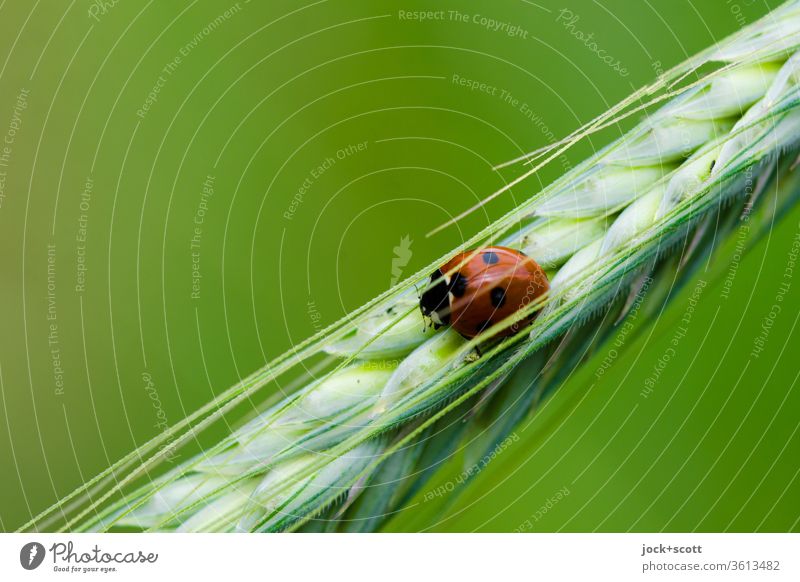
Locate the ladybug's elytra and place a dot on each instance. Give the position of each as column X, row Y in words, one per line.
column 479, row 288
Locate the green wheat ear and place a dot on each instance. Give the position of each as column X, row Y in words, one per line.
column 353, row 444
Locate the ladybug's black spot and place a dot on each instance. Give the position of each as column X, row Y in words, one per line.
column 483, row 325
column 435, row 298
column 458, row 285
column 490, row 257
column 497, row 296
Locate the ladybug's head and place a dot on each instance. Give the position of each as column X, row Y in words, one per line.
column 435, row 300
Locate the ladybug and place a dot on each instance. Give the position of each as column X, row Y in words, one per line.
column 479, row 288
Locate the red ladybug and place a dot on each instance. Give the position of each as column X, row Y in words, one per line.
column 479, row 288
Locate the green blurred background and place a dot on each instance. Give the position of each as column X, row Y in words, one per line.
column 194, row 187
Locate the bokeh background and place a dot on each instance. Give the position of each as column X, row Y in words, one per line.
column 194, row 187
